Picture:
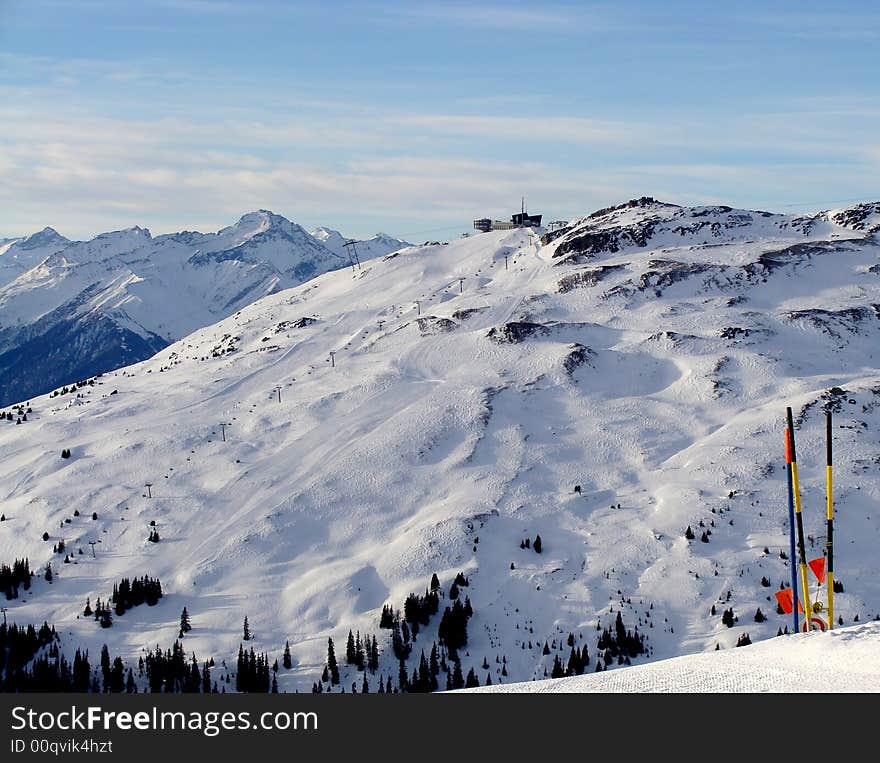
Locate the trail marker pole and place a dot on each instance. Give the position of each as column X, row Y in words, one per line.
column 278, row 391
column 461, row 285
column 223, row 430
column 92, row 544
column 419, row 307
column 148, row 485
column 791, row 546
column 505, row 262
column 829, row 518
column 802, row 554
column 332, row 358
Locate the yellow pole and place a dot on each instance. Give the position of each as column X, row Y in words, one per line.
column 802, row 552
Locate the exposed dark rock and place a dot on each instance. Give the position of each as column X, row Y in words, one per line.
column 577, row 356
column 516, row 332
column 857, row 217
column 431, row 324
column 463, row 315
column 587, row 278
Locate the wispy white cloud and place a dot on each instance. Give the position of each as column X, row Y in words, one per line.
column 89, row 165
column 494, row 15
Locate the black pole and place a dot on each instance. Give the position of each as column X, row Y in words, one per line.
column 802, row 552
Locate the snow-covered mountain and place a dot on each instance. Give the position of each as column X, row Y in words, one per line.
column 605, row 387
column 69, row 309
column 367, row 249
column 18, row 255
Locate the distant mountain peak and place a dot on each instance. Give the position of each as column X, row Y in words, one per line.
column 46, row 237
column 136, row 231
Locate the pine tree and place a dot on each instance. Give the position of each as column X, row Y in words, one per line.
column 471, row 682
column 285, row 660
column 457, row 678
column 185, row 627
column 246, row 629
column 360, row 659
column 537, row 544
column 373, row 658
column 402, row 677
column 689, row 533
column 350, row 654
column 331, row 662
column 759, row 616
column 387, row 618
column 435, row 582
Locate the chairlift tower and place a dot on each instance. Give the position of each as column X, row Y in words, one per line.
column 353, row 254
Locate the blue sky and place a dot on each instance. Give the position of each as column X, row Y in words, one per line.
column 414, row 118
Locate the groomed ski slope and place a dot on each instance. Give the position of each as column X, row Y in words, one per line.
column 647, row 356
column 845, row 660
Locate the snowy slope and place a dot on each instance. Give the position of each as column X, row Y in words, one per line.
column 96, row 305
column 645, row 354
column 845, row 660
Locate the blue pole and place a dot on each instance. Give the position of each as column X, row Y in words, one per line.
column 791, row 554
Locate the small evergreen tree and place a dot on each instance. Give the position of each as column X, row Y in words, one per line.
column 350, row 653
column 185, row 626
column 331, row 662
column 537, row 544
column 285, row 660
column 246, row 629
column 471, row 682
